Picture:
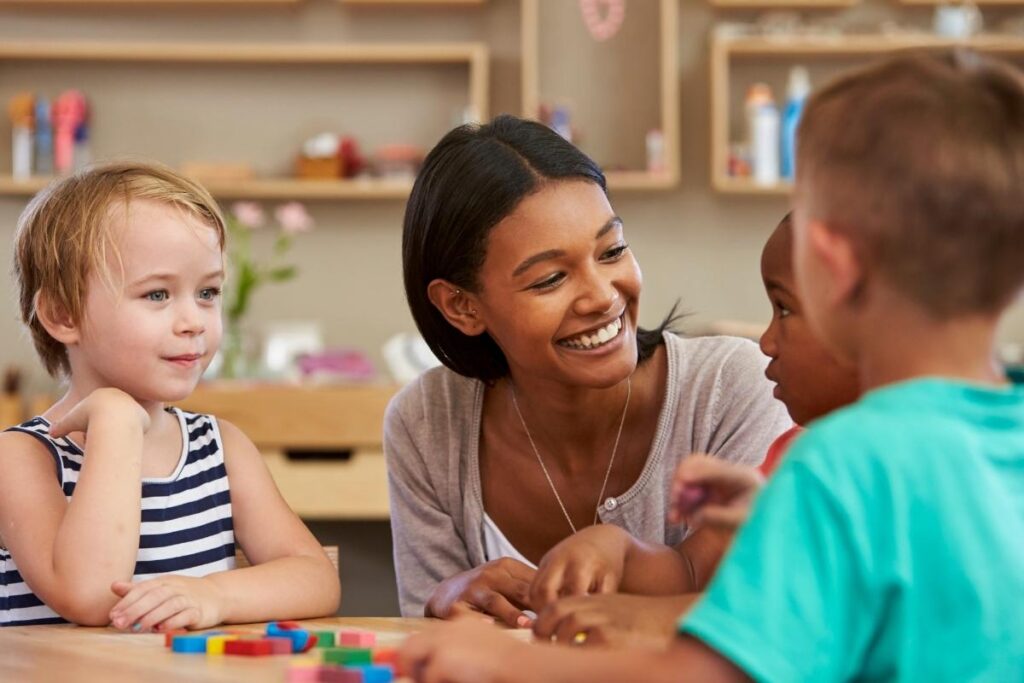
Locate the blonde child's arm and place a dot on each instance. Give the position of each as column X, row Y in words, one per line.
column 291, row 576
column 69, row 552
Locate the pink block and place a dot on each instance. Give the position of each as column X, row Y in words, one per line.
column 303, row 674
column 337, row 674
column 357, row 638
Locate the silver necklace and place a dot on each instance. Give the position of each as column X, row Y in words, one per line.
column 611, row 460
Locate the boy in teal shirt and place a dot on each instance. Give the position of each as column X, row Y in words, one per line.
column 888, row 544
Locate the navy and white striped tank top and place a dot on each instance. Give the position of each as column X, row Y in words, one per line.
column 186, row 517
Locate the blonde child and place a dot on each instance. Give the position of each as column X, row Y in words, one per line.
column 114, row 507
column 887, row 545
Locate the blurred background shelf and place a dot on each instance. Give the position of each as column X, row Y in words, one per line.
column 762, row 50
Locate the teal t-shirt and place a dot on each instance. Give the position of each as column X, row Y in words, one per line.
column 888, row 545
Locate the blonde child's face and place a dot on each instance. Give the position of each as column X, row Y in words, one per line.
column 152, row 326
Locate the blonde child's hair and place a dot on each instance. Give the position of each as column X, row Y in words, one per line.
column 64, row 236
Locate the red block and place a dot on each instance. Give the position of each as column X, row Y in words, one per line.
column 385, row 655
column 169, row 636
column 250, row 647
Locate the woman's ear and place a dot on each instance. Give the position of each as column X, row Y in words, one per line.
column 56, row 320
column 458, row 306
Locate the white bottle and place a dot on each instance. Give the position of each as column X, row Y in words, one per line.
column 763, row 121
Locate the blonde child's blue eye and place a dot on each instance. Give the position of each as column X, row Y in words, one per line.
column 158, row 295
column 209, row 294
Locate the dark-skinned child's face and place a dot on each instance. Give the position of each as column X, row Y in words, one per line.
column 809, row 380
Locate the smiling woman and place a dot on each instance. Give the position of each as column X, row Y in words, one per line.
column 555, row 409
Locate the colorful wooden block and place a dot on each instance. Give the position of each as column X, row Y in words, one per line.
column 351, row 638
column 249, row 647
column 215, row 644
column 324, row 639
column 190, row 644
column 337, row 674
column 385, row 655
column 303, row 672
column 375, row 673
column 347, row 655
column 301, row 639
column 169, row 636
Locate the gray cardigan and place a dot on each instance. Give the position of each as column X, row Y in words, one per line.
column 717, row 401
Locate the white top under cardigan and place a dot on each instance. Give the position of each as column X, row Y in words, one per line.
column 717, row 401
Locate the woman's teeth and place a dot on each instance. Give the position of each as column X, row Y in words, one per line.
column 599, row 338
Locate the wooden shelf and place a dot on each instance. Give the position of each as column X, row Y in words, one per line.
column 269, row 188
column 414, row 3
column 668, row 85
column 473, row 55
column 1004, row 3
column 783, row 4
column 151, row 3
column 726, row 48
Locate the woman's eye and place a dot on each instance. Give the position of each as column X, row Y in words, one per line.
column 549, row 282
column 614, row 253
column 157, row 295
column 209, row 293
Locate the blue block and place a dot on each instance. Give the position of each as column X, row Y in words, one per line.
column 192, row 644
column 299, row 637
column 375, row 673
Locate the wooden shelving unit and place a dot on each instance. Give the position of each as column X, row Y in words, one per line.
column 473, row 55
column 783, row 48
column 1004, row 3
column 150, row 3
column 783, row 4
column 414, row 3
column 669, row 93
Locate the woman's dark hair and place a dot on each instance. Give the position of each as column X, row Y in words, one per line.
column 475, row 177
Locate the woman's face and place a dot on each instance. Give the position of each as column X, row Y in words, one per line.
column 560, row 289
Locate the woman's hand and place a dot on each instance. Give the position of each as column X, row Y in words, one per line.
column 499, row 588
column 613, row 620
column 166, row 603
column 590, row 561
column 710, row 492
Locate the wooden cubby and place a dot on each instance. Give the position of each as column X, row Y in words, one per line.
column 474, row 56
column 668, row 78
column 786, row 49
column 783, row 4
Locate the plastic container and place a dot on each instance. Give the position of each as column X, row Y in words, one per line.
column 763, row 132
column 796, row 97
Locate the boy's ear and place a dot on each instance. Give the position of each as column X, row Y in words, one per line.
column 56, row 320
column 839, row 259
column 458, row 306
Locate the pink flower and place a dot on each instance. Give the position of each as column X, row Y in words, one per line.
column 293, row 218
column 248, row 214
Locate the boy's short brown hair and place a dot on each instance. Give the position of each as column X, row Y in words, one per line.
column 920, row 159
column 64, row 235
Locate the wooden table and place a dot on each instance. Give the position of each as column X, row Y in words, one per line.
column 30, row 654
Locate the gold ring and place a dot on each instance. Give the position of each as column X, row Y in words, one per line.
column 580, row 638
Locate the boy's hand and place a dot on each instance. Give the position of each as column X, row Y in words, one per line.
column 707, row 491
column 590, row 561
column 499, row 588
column 465, row 651
column 166, row 603
column 108, row 402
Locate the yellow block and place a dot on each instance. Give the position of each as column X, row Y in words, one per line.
column 215, row 644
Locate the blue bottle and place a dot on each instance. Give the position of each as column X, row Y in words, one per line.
column 44, row 138
column 796, row 97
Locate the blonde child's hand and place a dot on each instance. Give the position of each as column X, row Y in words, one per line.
column 707, row 491
column 590, row 561
column 166, row 603
column 108, row 402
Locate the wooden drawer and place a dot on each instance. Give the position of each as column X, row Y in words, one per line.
column 355, row 488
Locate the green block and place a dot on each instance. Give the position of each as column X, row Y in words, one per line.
column 348, row 655
column 324, row 638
